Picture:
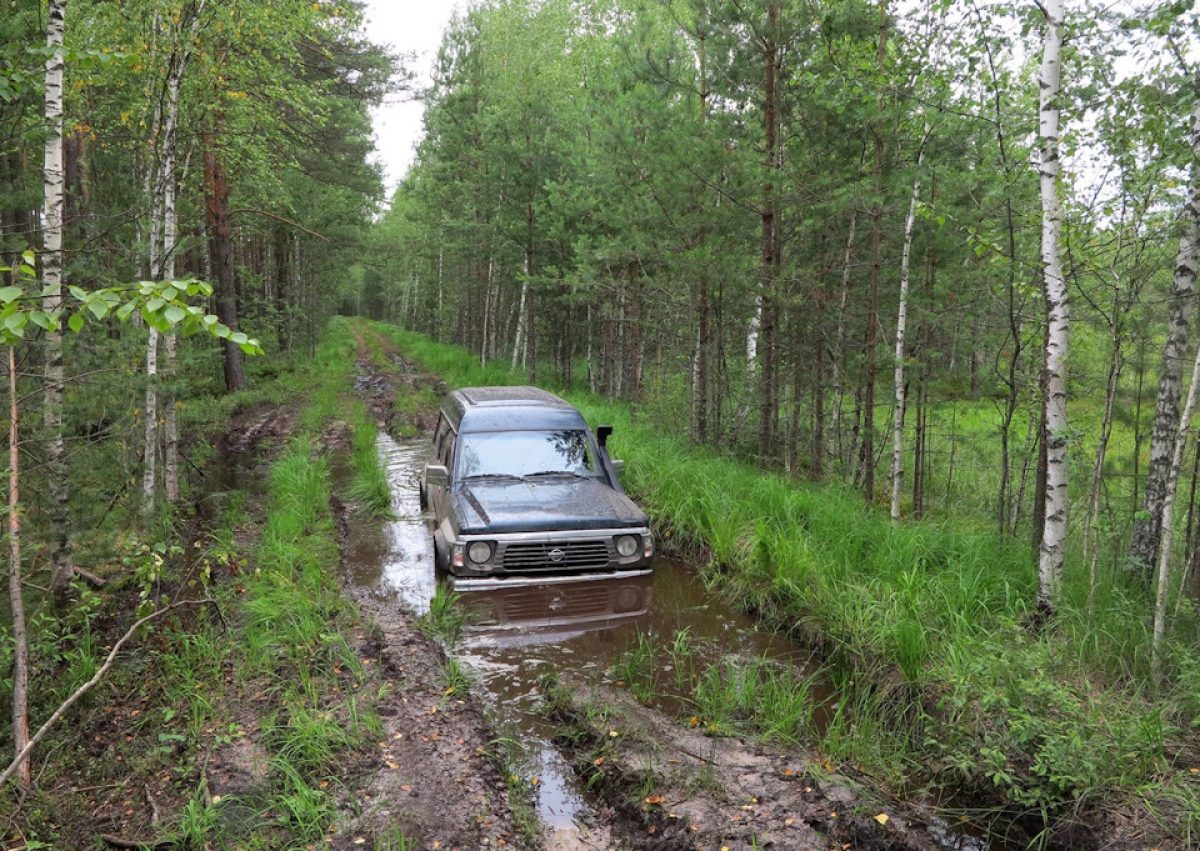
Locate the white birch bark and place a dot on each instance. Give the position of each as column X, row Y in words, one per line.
column 150, row 426
column 162, row 264
column 1166, row 413
column 1167, row 533
column 1053, row 545
column 52, row 263
column 752, row 333
column 16, row 598
column 519, row 337
column 901, row 328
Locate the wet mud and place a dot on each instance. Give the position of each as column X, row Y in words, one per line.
column 434, row 776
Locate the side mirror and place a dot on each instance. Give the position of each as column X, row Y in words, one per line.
column 618, row 466
column 436, row 476
column 602, row 434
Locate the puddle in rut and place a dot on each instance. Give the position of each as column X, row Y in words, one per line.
column 517, row 635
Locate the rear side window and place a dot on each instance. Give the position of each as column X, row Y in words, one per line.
column 443, row 441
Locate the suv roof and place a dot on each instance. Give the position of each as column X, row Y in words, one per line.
column 509, row 408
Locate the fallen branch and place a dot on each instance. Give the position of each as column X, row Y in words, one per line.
column 121, row 842
column 91, row 578
column 86, row 687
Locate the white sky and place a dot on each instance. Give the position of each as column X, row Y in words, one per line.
column 407, row 26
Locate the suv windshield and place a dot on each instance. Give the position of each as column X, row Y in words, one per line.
column 525, row 453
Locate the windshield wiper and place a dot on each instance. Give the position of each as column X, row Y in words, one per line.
column 506, row 476
column 554, row 473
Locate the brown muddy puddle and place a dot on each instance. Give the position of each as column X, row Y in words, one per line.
column 514, row 637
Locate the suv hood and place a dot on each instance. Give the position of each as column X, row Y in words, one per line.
column 544, row 505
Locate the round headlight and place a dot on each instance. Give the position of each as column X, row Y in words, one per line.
column 627, row 545
column 479, row 551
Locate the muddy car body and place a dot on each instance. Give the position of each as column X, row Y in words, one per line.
column 520, row 489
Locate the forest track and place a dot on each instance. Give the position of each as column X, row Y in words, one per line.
column 436, row 774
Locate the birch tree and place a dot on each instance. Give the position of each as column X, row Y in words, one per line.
column 1054, row 535
column 901, row 328
column 1147, row 531
column 162, row 253
column 52, row 266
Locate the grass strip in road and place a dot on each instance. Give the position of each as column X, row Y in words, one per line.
column 939, row 681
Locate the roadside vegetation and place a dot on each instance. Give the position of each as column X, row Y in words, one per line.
column 945, row 685
column 239, row 720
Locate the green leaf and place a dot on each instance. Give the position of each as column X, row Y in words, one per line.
column 155, row 304
column 125, row 310
column 78, row 293
column 75, row 322
column 239, row 338
column 98, row 309
column 174, row 314
column 7, row 294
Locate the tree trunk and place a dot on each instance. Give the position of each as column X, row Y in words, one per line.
column 866, row 455
column 1053, row 545
column 62, row 569
column 1166, row 414
column 1168, row 533
column 768, row 388
column 16, row 599
column 901, row 327
column 1091, row 545
column 839, row 345
column 220, row 249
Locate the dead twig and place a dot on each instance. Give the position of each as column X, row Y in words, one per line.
column 90, row 684
column 121, row 842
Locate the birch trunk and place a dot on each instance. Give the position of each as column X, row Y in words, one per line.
column 62, row 569
column 20, row 675
column 163, row 233
column 901, row 329
column 1166, row 538
column 1166, row 414
column 1052, row 550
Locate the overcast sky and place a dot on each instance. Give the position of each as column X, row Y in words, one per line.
column 408, row 26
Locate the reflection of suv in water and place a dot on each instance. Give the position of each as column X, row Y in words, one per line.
column 519, row 487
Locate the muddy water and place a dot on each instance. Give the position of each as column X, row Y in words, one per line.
column 515, row 636
column 397, row 563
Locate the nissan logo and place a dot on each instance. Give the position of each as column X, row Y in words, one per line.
column 556, row 555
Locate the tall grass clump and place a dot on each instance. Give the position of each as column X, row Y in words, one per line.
column 369, row 486
column 291, row 599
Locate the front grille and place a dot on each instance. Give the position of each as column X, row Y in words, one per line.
column 563, row 555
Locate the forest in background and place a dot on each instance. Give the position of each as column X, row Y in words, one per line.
column 814, row 234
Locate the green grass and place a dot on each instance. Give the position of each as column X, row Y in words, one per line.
column 370, row 486
column 926, row 619
column 446, row 617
